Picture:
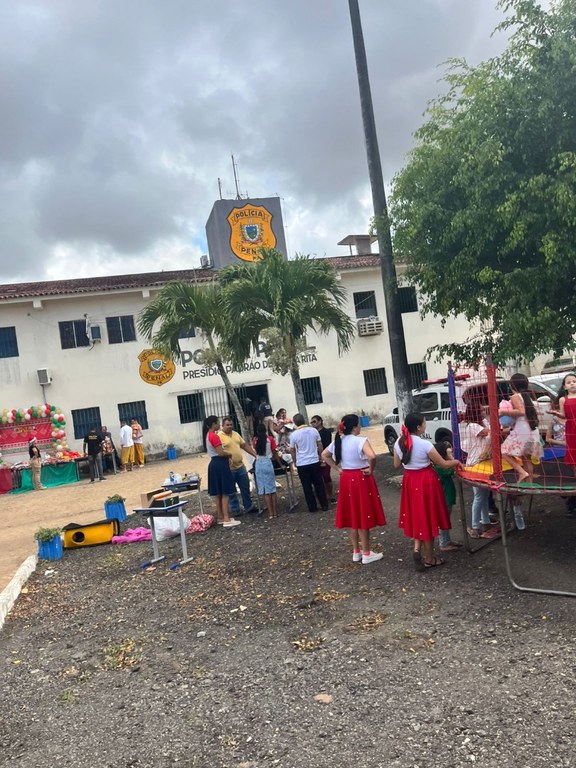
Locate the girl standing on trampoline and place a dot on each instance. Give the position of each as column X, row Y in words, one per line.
column 523, row 443
column 567, row 410
column 423, row 509
column 359, row 507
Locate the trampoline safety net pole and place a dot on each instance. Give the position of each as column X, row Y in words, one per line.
column 494, row 420
column 456, row 448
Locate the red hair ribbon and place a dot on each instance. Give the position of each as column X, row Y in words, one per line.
column 407, row 438
column 341, row 427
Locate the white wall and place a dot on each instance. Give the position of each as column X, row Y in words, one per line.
column 107, row 374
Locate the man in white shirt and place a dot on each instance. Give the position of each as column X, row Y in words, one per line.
column 306, row 447
column 127, row 446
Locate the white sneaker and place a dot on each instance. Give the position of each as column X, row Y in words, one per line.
column 231, row 523
column 356, row 557
column 371, row 557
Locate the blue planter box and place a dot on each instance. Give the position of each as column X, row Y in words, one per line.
column 171, row 453
column 115, row 510
column 50, row 550
column 364, row 421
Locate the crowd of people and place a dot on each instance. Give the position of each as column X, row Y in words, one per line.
column 100, row 449
column 428, row 490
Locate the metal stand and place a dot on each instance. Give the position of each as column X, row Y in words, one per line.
column 286, row 473
column 174, row 510
column 503, row 503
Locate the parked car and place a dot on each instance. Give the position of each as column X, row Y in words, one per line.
column 432, row 400
column 559, row 365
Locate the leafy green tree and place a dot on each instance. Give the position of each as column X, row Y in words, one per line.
column 280, row 301
column 485, row 210
column 181, row 305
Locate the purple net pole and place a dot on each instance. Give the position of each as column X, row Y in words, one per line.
column 457, row 450
column 494, row 421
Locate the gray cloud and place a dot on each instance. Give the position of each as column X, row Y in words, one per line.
column 118, row 118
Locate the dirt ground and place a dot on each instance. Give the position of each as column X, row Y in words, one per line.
column 273, row 649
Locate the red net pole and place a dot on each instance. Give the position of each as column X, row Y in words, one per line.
column 494, row 420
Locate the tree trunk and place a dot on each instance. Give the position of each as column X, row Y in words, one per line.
column 388, row 269
column 239, row 411
column 297, row 383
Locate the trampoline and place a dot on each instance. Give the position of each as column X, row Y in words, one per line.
column 552, row 477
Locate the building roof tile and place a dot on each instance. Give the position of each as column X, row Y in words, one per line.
column 145, row 280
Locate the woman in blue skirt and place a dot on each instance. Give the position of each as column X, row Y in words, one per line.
column 220, row 479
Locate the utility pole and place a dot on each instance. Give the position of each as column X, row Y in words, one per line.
column 387, row 266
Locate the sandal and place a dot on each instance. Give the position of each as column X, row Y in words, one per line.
column 450, row 547
column 474, row 533
column 437, row 561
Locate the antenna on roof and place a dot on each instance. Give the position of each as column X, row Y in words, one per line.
column 234, row 168
column 220, row 187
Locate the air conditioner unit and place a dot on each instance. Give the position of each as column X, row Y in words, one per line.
column 370, row 326
column 44, row 377
column 205, row 261
column 94, row 333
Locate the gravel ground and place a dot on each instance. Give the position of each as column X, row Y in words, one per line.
column 273, row 649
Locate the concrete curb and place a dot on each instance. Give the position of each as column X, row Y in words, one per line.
column 9, row 595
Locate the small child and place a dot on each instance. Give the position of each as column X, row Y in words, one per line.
column 505, row 420
column 444, row 448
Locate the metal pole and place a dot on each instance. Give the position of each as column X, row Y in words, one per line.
column 388, row 269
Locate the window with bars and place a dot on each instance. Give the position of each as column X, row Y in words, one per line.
column 191, row 408
column 418, row 374
column 84, row 419
column 407, row 299
column 73, row 334
column 8, row 342
column 120, row 329
column 312, row 390
column 375, row 381
column 365, row 304
column 135, row 410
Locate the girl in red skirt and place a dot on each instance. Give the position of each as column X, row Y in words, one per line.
column 359, row 507
column 422, row 504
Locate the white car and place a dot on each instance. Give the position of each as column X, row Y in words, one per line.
column 433, row 401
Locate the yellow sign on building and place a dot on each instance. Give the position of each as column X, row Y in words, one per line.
column 155, row 368
column 250, row 230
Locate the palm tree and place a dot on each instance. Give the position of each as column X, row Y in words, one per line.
column 281, row 301
column 182, row 305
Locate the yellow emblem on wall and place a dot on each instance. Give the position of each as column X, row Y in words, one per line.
column 155, row 368
column 250, row 230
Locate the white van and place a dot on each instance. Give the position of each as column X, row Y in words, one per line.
column 433, row 401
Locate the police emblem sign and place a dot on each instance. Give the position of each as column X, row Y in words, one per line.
column 239, row 229
column 250, row 230
column 155, row 368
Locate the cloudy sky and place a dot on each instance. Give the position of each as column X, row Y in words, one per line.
column 119, row 116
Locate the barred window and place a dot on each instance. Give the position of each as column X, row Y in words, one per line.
column 73, row 334
column 135, row 410
column 84, row 419
column 407, row 299
column 365, row 304
column 191, row 408
column 312, row 390
column 121, row 329
column 8, row 342
column 375, row 381
column 418, row 374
